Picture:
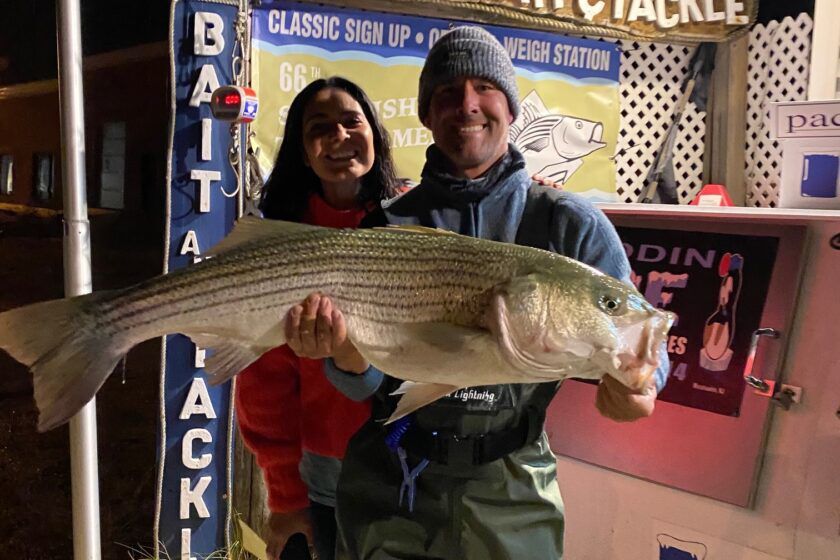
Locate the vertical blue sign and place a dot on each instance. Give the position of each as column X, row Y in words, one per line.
column 194, row 454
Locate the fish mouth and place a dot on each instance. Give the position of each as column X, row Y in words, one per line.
column 638, row 357
column 579, row 146
column 594, row 140
column 597, row 134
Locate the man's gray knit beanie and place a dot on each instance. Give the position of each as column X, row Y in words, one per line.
column 472, row 52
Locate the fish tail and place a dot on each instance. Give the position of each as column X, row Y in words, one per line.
column 68, row 357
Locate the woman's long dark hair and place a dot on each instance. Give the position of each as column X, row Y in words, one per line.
column 286, row 193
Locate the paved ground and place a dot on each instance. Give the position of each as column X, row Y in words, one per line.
column 35, row 504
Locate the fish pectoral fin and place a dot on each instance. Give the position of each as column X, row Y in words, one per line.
column 416, row 395
column 434, row 352
column 536, row 145
column 425, row 347
column 229, row 359
column 446, row 337
column 251, row 228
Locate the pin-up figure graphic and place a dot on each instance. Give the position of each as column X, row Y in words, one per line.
column 671, row 548
column 720, row 326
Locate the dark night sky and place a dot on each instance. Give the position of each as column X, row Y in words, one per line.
column 27, row 30
column 769, row 10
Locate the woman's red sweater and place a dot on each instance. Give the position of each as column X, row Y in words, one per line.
column 286, row 405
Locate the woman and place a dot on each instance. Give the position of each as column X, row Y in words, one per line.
column 333, row 168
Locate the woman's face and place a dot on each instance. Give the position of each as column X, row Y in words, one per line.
column 337, row 137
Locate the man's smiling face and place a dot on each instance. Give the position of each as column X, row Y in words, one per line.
column 470, row 119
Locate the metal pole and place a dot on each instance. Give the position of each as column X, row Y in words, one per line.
column 77, row 279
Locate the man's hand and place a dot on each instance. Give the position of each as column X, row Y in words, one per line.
column 619, row 403
column 281, row 526
column 316, row 329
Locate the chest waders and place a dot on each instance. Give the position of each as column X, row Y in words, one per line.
column 470, row 477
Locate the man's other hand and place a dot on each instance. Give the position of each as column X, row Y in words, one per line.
column 546, row 182
column 622, row 404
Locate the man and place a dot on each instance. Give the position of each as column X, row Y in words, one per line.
column 470, row 476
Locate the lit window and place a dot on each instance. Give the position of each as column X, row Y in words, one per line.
column 43, row 176
column 112, row 179
column 6, row 174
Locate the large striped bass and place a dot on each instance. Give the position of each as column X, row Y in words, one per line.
column 437, row 309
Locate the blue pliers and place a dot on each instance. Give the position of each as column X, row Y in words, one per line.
column 409, row 477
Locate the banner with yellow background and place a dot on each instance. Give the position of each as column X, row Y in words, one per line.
column 567, row 129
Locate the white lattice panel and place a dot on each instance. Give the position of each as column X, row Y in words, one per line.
column 651, row 79
column 779, row 59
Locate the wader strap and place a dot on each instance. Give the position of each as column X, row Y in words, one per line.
column 478, row 449
column 535, row 225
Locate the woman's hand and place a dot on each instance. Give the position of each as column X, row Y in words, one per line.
column 316, row 329
column 546, row 182
column 281, row 526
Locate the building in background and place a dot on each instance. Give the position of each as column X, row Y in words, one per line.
column 126, row 103
column 126, row 70
column 126, row 116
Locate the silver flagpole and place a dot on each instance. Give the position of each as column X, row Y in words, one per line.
column 77, row 280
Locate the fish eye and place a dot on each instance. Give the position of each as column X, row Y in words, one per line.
column 611, row 304
column 578, row 124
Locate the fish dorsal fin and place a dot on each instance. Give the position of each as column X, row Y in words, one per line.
column 251, row 228
column 536, row 135
column 397, row 228
column 532, row 109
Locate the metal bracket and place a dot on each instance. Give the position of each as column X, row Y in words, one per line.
column 787, row 395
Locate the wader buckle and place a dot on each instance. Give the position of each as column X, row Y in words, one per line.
column 461, row 450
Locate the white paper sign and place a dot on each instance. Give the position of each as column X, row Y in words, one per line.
column 805, row 119
column 809, row 134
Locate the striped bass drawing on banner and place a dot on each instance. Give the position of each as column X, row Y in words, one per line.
column 554, row 145
column 438, row 309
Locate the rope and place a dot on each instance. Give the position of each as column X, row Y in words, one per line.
column 250, row 169
column 167, row 235
column 231, row 433
column 238, row 69
column 508, row 15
